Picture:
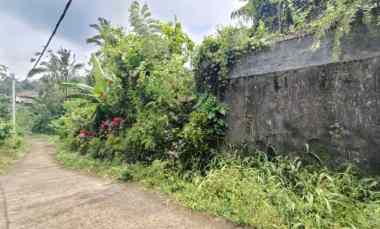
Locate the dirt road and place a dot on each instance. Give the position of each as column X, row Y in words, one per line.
column 38, row 193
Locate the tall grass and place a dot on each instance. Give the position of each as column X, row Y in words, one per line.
column 11, row 149
column 272, row 194
column 256, row 191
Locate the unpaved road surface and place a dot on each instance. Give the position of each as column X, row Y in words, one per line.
column 38, row 193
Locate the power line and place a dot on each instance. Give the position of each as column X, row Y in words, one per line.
column 53, row 34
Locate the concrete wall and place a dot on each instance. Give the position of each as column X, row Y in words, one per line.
column 290, row 95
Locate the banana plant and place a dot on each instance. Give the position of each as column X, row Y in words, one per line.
column 98, row 94
column 101, row 89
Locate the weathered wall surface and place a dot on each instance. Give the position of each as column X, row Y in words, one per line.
column 289, row 96
column 303, row 52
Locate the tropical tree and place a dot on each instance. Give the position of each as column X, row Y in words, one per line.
column 60, row 67
column 102, row 85
column 248, row 12
column 3, row 71
column 46, row 108
column 342, row 13
column 179, row 42
column 5, row 81
column 99, row 95
column 278, row 15
column 102, row 28
column 105, row 32
column 320, row 15
column 141, row 19
column 4, row 107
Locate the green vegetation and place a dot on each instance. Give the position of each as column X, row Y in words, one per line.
column 255, row 191
column 140, row 103
column 59, row 67
column 286, row 16
column 72, row 160
column 11, row 142
column 5, row 130
column 11, row 149
column 143, row 114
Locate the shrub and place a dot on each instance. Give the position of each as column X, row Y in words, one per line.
column 11, row 149
column 5, row 130
column 146, row 140
column 202, row 135
column 4, row 107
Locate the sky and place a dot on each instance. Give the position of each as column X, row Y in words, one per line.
column 25, row 25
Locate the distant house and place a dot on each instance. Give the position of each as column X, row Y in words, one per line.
column 26, row 97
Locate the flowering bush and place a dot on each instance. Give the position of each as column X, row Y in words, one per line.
column 108, row 126
column 5, row 130
column 86, row 134
column 117, row 122
column 105, row 125
column 150, row 109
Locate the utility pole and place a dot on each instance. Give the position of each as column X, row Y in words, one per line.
column 13, row 102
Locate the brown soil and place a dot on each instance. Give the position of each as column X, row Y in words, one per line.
column 38, row 193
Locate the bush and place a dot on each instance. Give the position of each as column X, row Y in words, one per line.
column 4, row 107
column 202, row 135
column 147, row 138
column 11, row 149
column 5, row 130
column 143, row 80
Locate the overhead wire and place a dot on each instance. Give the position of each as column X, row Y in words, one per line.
column 68, row 4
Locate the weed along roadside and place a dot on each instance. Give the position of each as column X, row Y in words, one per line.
column 10, row 153
column 218, row 126
column 255, row 191
column 12, row 147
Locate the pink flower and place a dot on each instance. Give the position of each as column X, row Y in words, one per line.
column 82, row 134
column 117, row 121
column 86, row 134
column 91, row 134
column 105, row 125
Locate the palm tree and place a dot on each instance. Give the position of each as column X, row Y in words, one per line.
column 102, row 28
column 141, row 20
column 60, row 67
column 4, row 92
column 3, row 72
column 5, row 81
column 248, row 12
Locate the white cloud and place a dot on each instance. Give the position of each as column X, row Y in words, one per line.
column 19, row 42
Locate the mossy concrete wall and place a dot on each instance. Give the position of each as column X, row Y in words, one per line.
column 291, row 95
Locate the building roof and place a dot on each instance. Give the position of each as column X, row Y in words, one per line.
column 27, row 94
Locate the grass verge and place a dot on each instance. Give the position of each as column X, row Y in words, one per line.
column 256, row 192
column 11, row 150
column 70, row 160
